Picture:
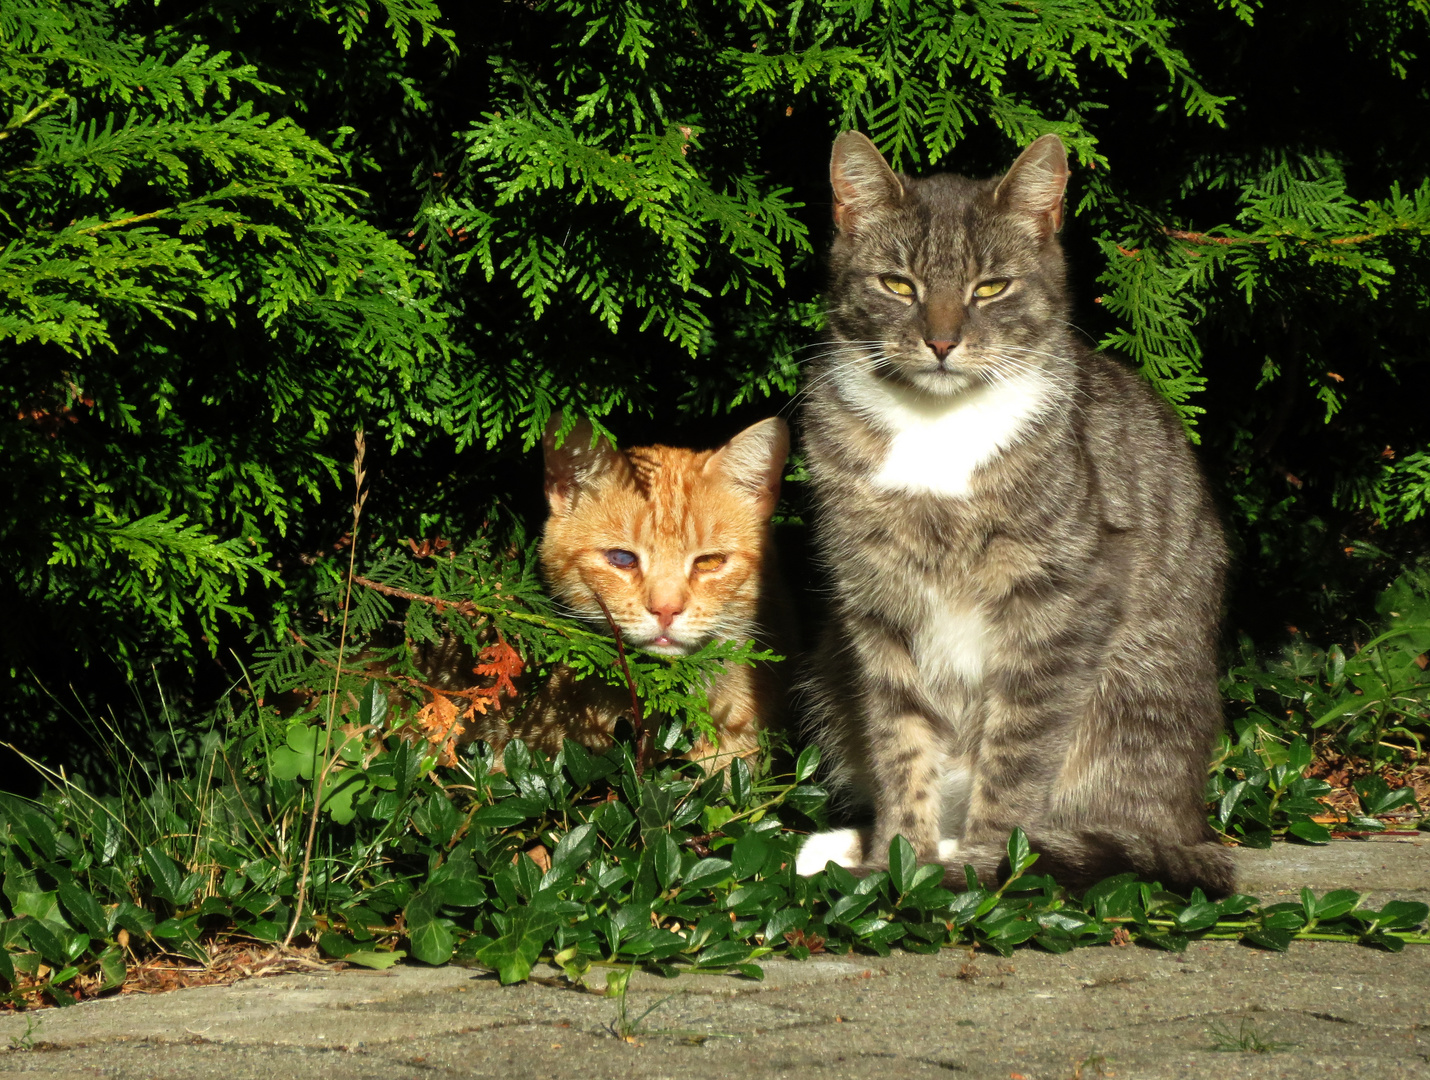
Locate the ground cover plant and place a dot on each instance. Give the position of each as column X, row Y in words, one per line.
column 579, row 861
column 232, row 235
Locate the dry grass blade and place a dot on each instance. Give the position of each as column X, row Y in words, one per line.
column 359, row 498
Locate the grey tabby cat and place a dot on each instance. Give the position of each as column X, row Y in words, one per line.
column 1027, row 567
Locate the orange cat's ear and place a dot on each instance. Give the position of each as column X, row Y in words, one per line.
column 860, row 178
column 578, row 462
column 1033, row 188
column 754, row 460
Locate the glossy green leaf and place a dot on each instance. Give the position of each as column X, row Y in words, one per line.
column 807, row 764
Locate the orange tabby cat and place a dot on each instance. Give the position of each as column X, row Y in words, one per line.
column 678, row 544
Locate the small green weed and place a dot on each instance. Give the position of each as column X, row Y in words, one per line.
column 26, row 1039
column 625, row 1027
column 1246, row 1040
column 1092, row 1067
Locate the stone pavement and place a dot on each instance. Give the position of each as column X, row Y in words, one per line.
column 1319, row 1010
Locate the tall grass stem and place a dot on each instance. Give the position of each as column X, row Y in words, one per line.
column 321, row 776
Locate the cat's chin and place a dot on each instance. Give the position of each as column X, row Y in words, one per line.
column 941, row 382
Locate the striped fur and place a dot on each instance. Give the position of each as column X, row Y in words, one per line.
column 1026, row 565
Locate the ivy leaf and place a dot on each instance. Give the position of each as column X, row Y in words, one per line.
column 512, row 954
column 1196, row 917
column 1310, row 831
column 740, row 782
column 112, row 969
column 431, row 941
column 574, row 849
column 1275, row 939
column 372, row 708
column 168, row 883
column 584, row 769
column 1400, row 915
column 507, row 813
column 749, row 855
column 46, row 942
column 707, row 872
column 1020, row 855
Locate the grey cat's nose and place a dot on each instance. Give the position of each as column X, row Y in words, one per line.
column 941, row 347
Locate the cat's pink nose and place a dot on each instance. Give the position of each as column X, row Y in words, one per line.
column 666, row 612
column 941, row 347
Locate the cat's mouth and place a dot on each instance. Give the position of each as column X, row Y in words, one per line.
column 667, row 645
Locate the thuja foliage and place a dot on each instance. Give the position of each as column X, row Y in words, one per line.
column 1236, row 231
column 234, row 233
column 618, row 176
column 189, row 300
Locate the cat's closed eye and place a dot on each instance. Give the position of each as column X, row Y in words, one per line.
column 626, row 560
column 706, row 563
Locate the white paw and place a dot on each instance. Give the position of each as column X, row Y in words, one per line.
column 947, row 849
column 841, row 846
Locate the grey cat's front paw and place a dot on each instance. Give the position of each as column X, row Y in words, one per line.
column 842, row 846
column 847, row 848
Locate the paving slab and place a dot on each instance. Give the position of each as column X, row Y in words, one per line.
column 1219, row 1010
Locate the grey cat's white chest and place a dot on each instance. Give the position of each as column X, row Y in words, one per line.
column 935, row 445
column 950, row 643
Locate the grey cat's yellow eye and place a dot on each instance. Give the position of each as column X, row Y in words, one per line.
column 705, row 563
column 897, row 285
column 990, row 288
column 623, row 559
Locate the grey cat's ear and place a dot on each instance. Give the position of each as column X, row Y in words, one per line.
column 755, row 461
column 1033, row 188
column 576, row 463
column 861, row 179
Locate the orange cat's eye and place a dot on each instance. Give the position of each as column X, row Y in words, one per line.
column 705, row 563
column 623, row 559
column 897, row 285
column 990, row 288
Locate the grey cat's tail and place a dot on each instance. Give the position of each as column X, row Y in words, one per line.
column 1080, row 858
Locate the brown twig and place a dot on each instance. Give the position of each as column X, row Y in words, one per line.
column 1203, row 238
column 465, row 607
column 1233, row 241
column 642, row 743
column 701, row 844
